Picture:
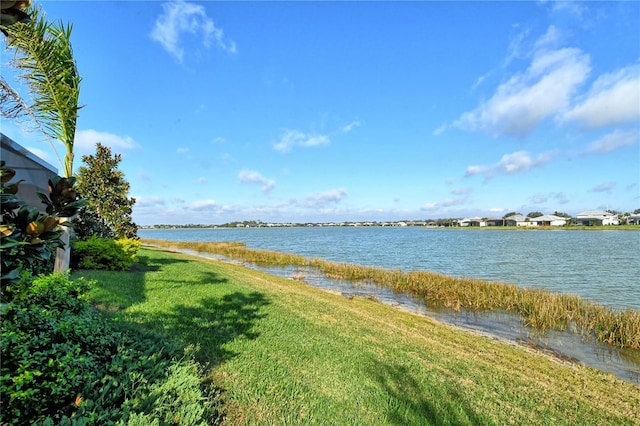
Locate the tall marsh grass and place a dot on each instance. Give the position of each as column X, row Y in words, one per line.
column 538, row 308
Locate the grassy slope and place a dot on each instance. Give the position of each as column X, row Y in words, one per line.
column 286, row 353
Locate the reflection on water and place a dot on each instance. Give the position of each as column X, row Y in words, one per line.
column 568, row 346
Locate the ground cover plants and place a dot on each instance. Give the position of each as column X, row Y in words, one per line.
column 279, row 351
column 63, row 362
column 539, row 309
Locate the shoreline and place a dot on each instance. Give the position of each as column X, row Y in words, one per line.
column 584, row 351
column 281, row 349
column 451, row 228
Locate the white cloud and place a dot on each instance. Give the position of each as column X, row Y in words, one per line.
column 440, row 130
column 86, row 140
column 550, row 38
column 322, row 199
column 572, row 8
column 349, row 127
column 515, row 50
column 560, row 198
column 182, row 150
column 449, row 202
column 179, row 18
column 557, row 197
column 526, row 99
column 613, row 141
column 200, row 205
column 613, row 99
column 515, row 162
column 293, row 138
column 249, row 176
column 153, row 201
column 461, row 191
column 539, row 198
column 604, row 187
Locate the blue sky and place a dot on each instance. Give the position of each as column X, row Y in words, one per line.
column 334, row 111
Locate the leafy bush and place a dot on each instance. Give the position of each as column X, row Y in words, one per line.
column 130, row 246
column 28, row 237
column 52, row 345
column 64, row 363
column 102, row 253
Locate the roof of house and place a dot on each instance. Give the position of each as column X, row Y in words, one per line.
column 547, row 218
column 595, row 213
column 14, row 147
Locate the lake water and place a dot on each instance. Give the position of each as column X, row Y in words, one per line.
column 601, row 266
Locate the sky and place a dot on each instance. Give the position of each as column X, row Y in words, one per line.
column 356, row 111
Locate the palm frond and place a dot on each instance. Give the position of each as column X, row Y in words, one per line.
column 45, row 58
column 14, row 107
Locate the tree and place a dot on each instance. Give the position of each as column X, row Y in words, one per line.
column 45, row 59
column 535, row 214
column 102, row 185
column 561, row 214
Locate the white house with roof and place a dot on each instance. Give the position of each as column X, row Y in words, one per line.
column 548, row 220
column 597, row 217
column 634, row 219
column 472, row 221
column 516, row 220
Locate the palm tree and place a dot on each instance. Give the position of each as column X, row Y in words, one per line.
column 45, row 59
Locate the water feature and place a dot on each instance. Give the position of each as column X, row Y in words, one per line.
column 601, row 266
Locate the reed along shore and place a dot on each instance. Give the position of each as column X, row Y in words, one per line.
column 539, row 309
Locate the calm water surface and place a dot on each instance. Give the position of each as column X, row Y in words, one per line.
column 602, row 266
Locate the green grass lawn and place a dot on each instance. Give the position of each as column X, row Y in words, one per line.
column 283, row 352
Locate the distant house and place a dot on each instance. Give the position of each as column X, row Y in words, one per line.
column 516, row 220
column 473, row 221
column 548, row 220
column 597, row 217
column 35, row 171
column 634, row 219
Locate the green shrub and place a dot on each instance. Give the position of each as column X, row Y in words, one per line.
column 103, row 253
column 130, row 246
column 63, row 362
column 52, row 345
column 29, row 238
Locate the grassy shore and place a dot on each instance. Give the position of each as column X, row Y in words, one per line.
column 283, row 352
column 538, row 308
